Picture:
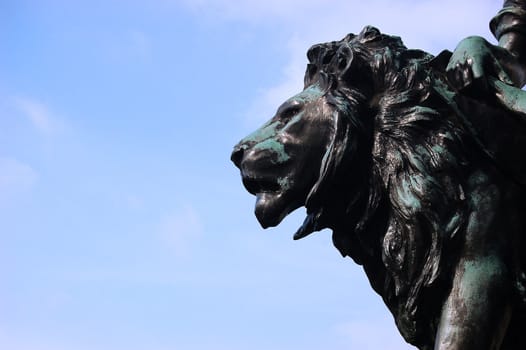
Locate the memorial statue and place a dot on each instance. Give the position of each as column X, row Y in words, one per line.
column 416, row 163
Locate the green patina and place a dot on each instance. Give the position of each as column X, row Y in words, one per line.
column 439, row 149
column 311, row 93
column 416, row 159
column 341, row 103
column 274, row 146
column 406, row 193
column 477, row 271
column 511, row 97
column 296, row 119
column 444, row 91
column 476, row 46
column 478, row 181
column 453, row 224
column 265, row 132
column 284, row 183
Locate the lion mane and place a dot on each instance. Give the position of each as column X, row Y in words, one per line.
column 391, row 183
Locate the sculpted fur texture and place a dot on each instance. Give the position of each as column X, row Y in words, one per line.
column 381, row 150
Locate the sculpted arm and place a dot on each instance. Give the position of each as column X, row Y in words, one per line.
column 509, row 27
column 496, row 70
column 475, row 60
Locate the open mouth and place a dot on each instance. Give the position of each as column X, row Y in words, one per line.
column 260, row 185
column 272, row 204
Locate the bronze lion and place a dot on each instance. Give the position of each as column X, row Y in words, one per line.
column 416, row 182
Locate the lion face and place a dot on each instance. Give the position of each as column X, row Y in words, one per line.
column 276, row 163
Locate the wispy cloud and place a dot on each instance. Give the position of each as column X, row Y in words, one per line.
column 16, row 175
column 41, row 118
column 290, row 83
column 322, row 16
column 181, row 229
column 16, row 178
column 428, row 25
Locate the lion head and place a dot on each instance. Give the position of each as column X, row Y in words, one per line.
column 364, row 148
column 288, row 162
column 276, row 164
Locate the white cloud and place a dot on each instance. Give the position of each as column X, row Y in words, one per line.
column 291, row 83
column 429, row 25
column 38, row 114
column 415, row 18
column 15, row 177
column 181, row 229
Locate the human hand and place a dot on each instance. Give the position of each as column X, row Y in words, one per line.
column 474, row 60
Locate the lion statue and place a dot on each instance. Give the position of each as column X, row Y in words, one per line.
column 420, row 184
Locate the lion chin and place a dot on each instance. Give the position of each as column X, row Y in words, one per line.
column 271, row 208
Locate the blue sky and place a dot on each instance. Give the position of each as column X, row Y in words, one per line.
column 123, row 225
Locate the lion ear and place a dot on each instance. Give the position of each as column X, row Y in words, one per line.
column 348, row 66
column 319, row 55
column 314, row 53
column 343, row 62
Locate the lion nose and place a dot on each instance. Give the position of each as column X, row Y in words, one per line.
column 237, row 155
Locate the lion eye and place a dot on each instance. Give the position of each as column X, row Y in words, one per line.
column 290, row 112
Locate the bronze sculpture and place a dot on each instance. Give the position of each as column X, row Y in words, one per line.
column 415, row 164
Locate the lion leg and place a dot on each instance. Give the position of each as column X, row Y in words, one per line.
column 477, row 311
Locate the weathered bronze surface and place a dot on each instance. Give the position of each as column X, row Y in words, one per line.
column 417, row 165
